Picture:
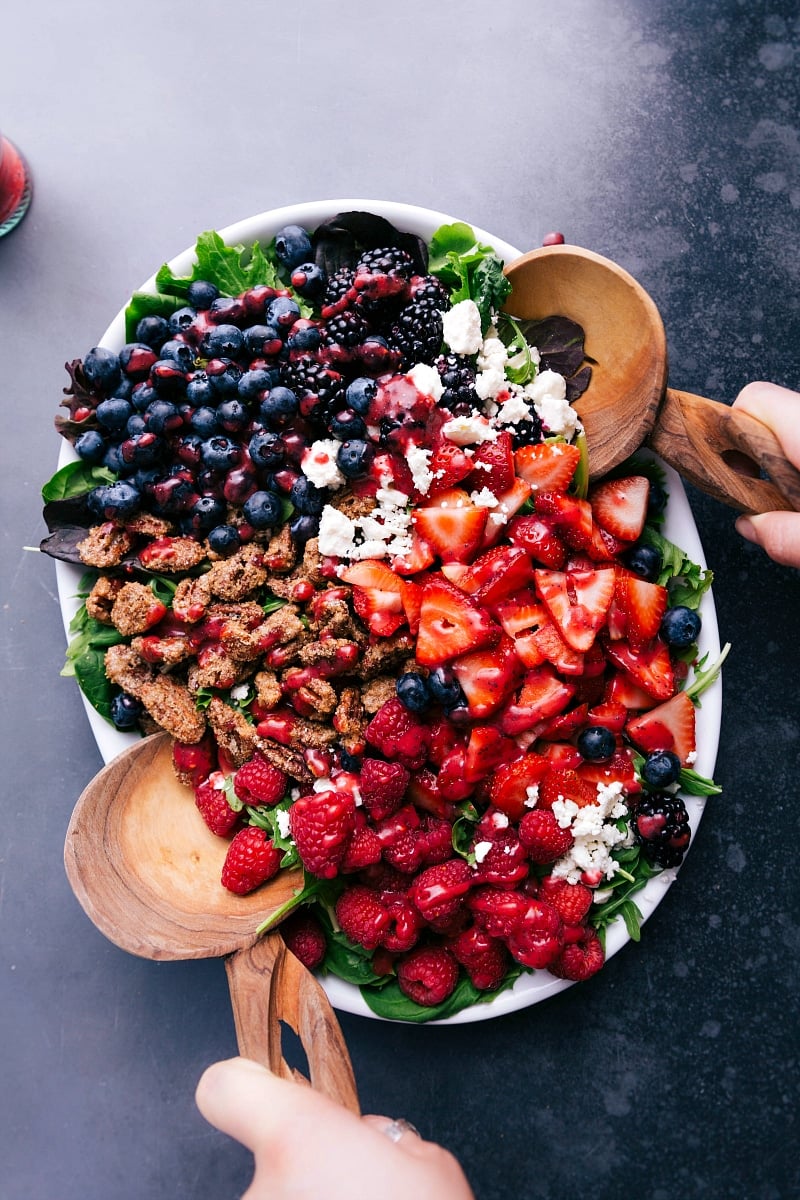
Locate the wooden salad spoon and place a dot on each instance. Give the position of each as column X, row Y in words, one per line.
column 146, row 870
column 627, row 403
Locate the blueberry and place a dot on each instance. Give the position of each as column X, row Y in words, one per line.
column 181, row 320
column 125, row 710
column 113, row 414
column 113, row 461
column 163, row 417
column 306, row 497
column 102, row 370
column 179, row 352
column 90, row 446
column 168, row 378
column 263, row 340
column 644, row 561
column 223, row 376
column 135, row 425
column 227, row 310
column 302, row 527
column 347, row 424
column 188, row 449
column 222, row 341
column 115, row 500
column 142, row 449
column 224, row 540
column 412, row 692
column 309, row 280
column 661, row 769
column 199, row 391
column 349, row 762
column 201, row 294
column 136, row 359
column 206, row 513
column 360, row 394
column 292, row 245
column 279, row 407
column 172, row 494
column 303, row 337
column 254, row 382
column 680, row 627
column 262, row 510
column 444, row 688
column 220, row 453
column 267, row 450
column 596, row 743
column 153, row 331
column 204, row 421
column 656, row 499
column 354, row 457
column 232, row 415
column 123, row 390
column 282, row 312
column 143, row 396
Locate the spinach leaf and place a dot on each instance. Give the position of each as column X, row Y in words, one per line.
column 75, row 479
column 390, row 1002
column 145, row 304
column 350, row 962
column 470, row 269
column 85, row 659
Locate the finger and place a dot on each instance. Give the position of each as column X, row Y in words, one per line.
column 777, row 407
column 778, row 533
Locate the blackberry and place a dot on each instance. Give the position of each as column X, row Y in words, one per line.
column 386, row 260
column 417, row 333
column 661, row 828
column 381, row 282
column 526, row 433
column 428, row 287
column 319, row 389
column 458, row 381
column 339, row 293
column 347, row 329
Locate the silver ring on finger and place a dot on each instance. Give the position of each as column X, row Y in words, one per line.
column 395, row 1129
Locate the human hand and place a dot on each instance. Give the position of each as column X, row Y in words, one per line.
column 305, row 1145
column 778, row 533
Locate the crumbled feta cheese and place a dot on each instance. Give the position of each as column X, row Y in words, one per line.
column 691, row 757
column 490, row 382
column 564, row 811
column 336, row 533
column 426, row 380
column 466, row 431
column 319, row 463
column 419, row 460
column 492, row 355
column 531, row 795
column 240, row 691
column 480, row 850
column 484, row 498
column 500, row 820
column 513, row 410
column 461, row 328
column 282, row 821
column 548, row 393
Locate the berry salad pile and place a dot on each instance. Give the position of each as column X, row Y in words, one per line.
column 339, row 541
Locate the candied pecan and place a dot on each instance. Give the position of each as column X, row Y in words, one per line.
column 268, row 690
column 100, row 600
column 280, row 555
column 349, row 720
column 352, row 506
column 375, row 693
column 384, row 655
column 165, row 653
column 239, row 576
column 216, row 669
column 191, row 600
column 285, row 759
column 167, row 701
column 105, row 545
column 148, row 525
column 315, row 698
column 136, row 609
column 234, row 733
column 172, row 555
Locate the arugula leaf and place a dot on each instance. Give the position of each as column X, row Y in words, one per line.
column 470, row 269
column 163, row 588
column 390, row 1002
column 326, row 891
column 697, row 785
column 75, row 479
column 686, row 581
column 463, row 830
column 705, row 676
column 632, row 878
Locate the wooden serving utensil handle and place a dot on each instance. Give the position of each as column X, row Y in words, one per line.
column 702, row 440
column 269, row 985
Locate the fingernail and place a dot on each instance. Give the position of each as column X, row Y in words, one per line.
column 746, row 529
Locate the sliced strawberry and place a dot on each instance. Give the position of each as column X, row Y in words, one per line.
column 455, row 572
column 564, row 783
column 643, row 603
column 618, row 769
column 418, row 558
column 493, row 465
column 565, row 725
column 650, row 667
column 411, row 598
column 571, row 517
column 453, row 526
column 425, row 793
column 497, row 573
column 487, row 748
column 372, row 575
column 604, row 547
column 508, row 503
column 549, row 642
column 449, row 465
column 620, row 505
column 542, row 695
column 488, row 677
column 548, row 466
column 514, row 785
column 578, row 620
column 616, row 621
column 537, row 535
column 561, row 754
column 610, row 714
column 669, row 726
column 528, row 649
column 520, row 612
column 451, row 623
column 622, row 689
column 376, row 596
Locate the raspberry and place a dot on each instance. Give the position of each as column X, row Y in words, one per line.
column 382, row 786
column 322, row 824
column 428, row 975
column 571, row 901
column 305, row 937
column 497, row 910
column 258, row 782
column 484, row 958
column 543, row 837
column 438, row 891
column 405, row 925
column 210, row 798
column 362, row 915
column 506, row 862
column 193, row 764
column 398, row 736
column 437, row 833
column 251, row 860
column 407, row 851
column 364, row 847
column 537, row 939
column 579, row 960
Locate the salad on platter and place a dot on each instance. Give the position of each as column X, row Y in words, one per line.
column 331, row 508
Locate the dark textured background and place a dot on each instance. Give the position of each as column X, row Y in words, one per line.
column 665, row 135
